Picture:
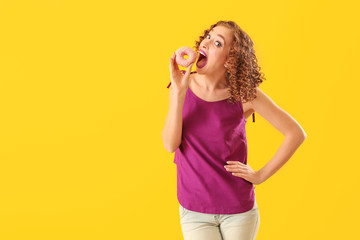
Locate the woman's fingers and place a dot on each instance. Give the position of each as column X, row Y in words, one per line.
column 176, row 67
column 170, row 65
column 177, row 74
column 173, row 65
column 235, row 166
column 188, row 70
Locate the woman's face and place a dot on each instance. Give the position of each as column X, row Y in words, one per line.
column 216, row 46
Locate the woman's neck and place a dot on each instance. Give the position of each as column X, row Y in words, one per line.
column 210, row 84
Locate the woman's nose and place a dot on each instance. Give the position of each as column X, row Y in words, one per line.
column 205, row 45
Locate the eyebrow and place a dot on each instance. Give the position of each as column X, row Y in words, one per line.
column 222, row 37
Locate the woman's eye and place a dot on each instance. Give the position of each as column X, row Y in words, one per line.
column 219, row 45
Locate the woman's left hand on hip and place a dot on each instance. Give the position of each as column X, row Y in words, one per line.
column 239, row 169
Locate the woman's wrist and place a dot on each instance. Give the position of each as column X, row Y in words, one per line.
column 261, row 176
column 177, row 95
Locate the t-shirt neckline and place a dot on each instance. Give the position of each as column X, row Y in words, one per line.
column 202, row 100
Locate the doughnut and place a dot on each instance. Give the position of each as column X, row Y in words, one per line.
column 181, row 52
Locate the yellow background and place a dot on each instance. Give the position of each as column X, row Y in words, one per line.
column 83, row 101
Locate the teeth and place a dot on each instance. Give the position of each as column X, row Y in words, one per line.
column 202, row 54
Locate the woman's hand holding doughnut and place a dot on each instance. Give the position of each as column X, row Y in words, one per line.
column 179, row 81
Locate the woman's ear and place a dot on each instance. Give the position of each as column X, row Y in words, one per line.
column 227, row 63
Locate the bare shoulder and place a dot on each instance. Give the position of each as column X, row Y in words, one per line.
column 263, row 105
column 261, row 99
column 274, row 114
column 251, row 106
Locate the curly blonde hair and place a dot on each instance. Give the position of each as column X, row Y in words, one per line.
column 243, row 73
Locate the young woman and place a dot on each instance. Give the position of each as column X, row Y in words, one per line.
column 205, row 126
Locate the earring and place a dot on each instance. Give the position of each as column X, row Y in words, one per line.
column 225, row 65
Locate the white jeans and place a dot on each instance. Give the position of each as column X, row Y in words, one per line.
column 204, row 226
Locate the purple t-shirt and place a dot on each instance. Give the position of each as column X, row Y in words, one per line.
column 212, row 133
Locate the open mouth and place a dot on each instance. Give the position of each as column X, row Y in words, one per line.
column 202, row 60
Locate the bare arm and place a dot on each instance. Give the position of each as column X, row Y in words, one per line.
column 172, row 131
column 287, row 125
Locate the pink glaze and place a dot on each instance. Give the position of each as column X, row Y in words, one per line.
column 181, row 52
